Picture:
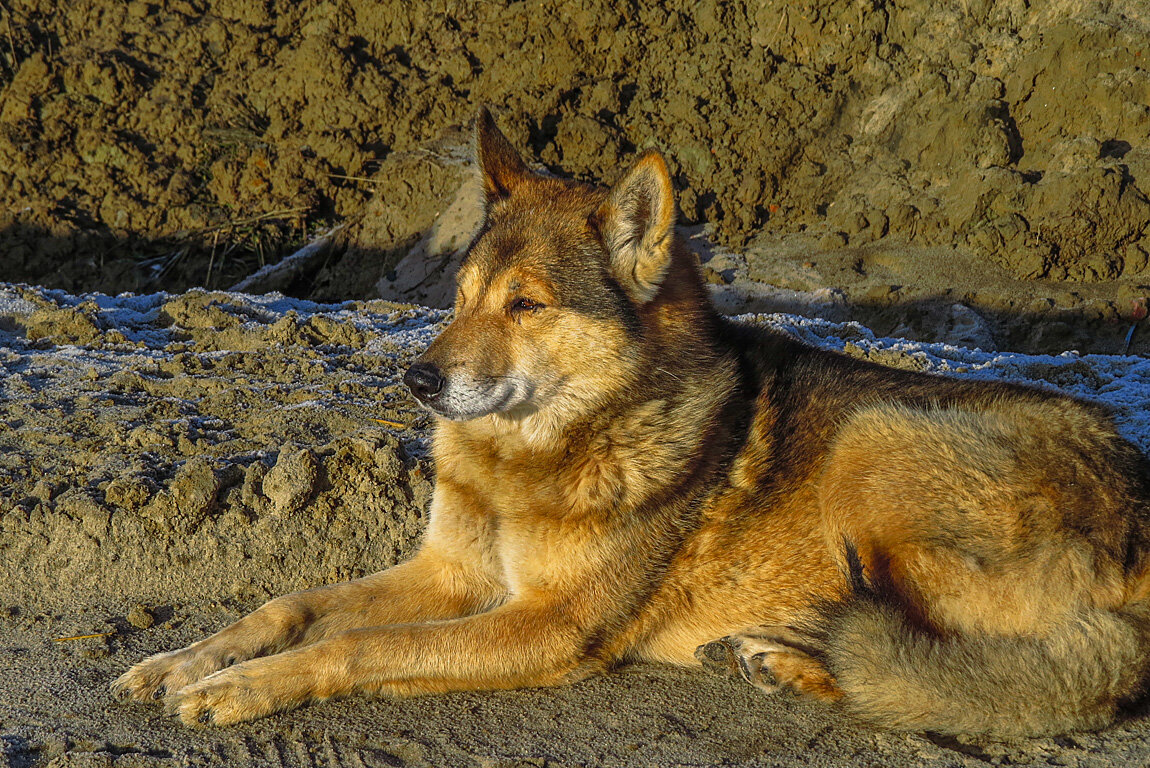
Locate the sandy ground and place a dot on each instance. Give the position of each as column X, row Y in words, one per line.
column 167, row 462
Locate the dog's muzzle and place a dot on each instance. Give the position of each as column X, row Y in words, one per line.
column 425, row 381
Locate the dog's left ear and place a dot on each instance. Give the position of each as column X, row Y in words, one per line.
column 500, row 165
column 637, row 223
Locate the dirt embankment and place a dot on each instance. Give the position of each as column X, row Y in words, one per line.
column 181, row 142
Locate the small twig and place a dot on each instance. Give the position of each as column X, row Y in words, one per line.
column 1138, row 312
column 354, row 178
column 212, row 260
column 170, row 261
column 278, row 275
column 283, row 213
column 82, row 637
column 1129, row 338
column 11, row 44
column 241, row 222
column 389, row 423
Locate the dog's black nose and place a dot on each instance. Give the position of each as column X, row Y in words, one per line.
column 424, row 380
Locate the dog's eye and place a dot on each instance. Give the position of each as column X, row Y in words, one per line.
column 524, row 304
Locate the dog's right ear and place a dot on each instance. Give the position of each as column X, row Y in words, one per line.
column 502, row 168
column 637, row 221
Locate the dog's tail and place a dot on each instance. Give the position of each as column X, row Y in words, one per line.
column 898, row 675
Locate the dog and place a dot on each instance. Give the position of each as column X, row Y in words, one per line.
column 624, row 475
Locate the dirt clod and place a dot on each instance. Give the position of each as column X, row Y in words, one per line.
column 140, row 617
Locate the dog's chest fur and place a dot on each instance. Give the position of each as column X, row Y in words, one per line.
column 576, row 507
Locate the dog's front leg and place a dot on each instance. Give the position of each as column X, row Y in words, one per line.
column 521, row 643
column 430, row 586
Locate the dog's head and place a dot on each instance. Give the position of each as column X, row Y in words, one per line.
column 547, row 312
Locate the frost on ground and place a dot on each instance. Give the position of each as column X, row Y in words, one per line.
column 167, row 462
column 1122, row 382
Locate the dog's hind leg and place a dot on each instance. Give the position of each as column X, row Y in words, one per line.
column 995, row 547
column 986, row 558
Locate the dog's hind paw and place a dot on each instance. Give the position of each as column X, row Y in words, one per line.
column 770, row 658
column 719, row 657
column 728, row 657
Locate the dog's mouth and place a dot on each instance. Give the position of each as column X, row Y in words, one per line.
column 459, row 397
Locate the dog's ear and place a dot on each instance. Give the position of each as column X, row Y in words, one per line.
column 637, row 223
column 502, row 168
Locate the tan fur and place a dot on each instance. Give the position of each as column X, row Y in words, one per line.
column 623, row 475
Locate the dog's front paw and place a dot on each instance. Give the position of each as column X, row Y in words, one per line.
column 159, row 675
column 230, row 696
